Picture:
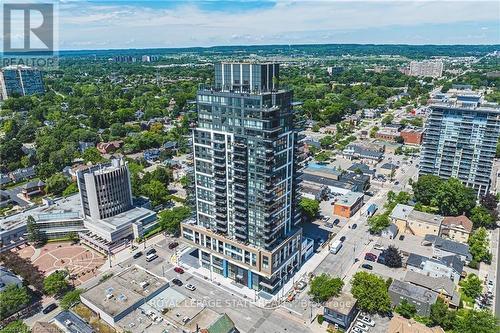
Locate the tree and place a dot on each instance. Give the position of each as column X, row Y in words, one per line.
column 12, row 298
column 426, row 188
column 92, row 155
column 392, row 257
column 323, row 287
column 35, row 236
column 326, row 141
column 489, row 201
column 73, row 236
column 477, row 321
column 482, row 217
column 170, row 220
column 479, row 246
column 387, row 119
column 309, row 207
column 371, row 292
column 70, row 299
column 454, row 198
column 406, row 309
column 57, row 183
column 55, row 283
column 471, row 286
column 155, row 191
column 16, row 326
column 71, row 189
column 441, row 315
column 378, row 222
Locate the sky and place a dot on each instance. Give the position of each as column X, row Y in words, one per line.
column 96, row 24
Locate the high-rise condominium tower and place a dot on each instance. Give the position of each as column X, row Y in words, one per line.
column 21, row 81
column 246, row 168
column 460, row 141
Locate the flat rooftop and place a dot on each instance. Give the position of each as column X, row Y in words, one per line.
column 349, row 199
column 342, row 304
column 63, row 208
column 123, row 290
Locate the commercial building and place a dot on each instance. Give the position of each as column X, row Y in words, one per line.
column 341, row 310
column 427, row 68
column 110, row 216
column 123, row 293
column 370, row 155
column 422, row 298
column 70, row 322
column 456, row 228
column 412, row 136
column 388, row 133
column 20, row 81
column 348, row 204
column 246, row 154
column 460, row 141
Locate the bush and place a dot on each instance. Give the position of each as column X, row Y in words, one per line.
column 321, row 319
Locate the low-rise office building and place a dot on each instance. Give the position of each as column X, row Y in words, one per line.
column 418, row 296
column 412, row 136
column 348, row 204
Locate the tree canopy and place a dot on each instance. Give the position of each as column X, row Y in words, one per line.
column 323, row 287
column 12, row 299
column 309, row 207
column 55, row 283
column 371, row 292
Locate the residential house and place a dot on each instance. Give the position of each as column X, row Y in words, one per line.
column 4, row 179
column 444, row 287
column 170, row 146
column 390, row 232
column 109, row 147
column 414, row 222
column 151, row 155
column 341, row 310
column 400, row 324
column 450, row 267
column 457, row 228
column 387, row 169
column 348, row 204
column 444, row 247
column 32, row 189
column 421, row 297
column 22, row 174
column 83, row 145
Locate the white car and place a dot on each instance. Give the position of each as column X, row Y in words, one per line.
column 362, row 326
column 190, row 287
column 357, row 330
column 379, row 247
column 366, row 320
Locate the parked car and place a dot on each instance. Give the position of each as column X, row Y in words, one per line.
column 366, row 320
column 370, row 257
column 151, row 251
column 362, row 326
column 401, row 237
column 190, row 287
column 342, row 238
column 329, row 225
column 177, row 282
column 336, row 221
column 378, row 247
column 178, row 270
column 367, row 266
column 357, row 330
column 137, row 255
column 354, row 226
column 325, row 218
column 173, row 245
column 49, row 308
column 301, row 285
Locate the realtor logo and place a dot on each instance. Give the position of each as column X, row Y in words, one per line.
column 28, row 28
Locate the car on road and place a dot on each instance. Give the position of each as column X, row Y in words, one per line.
column 301, row 285
column 379, row 247
column 367, row 266
column 396, row 183
column 320, row 241
column 137, row 255
column 173, row 245
column 342, row 238
column 49, row 308
column 402, row 237
column 150, row 257
column 177, row 282
column 336, row 221
column 354, row 226
column 190, row 287
column 150, row 251
column 178, row 270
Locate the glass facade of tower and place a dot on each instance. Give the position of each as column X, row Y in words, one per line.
column 246, row 176
column 460, row 142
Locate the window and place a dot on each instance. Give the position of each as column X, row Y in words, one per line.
column 265, row 262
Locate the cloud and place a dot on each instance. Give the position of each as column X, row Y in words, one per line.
column 153, row 24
